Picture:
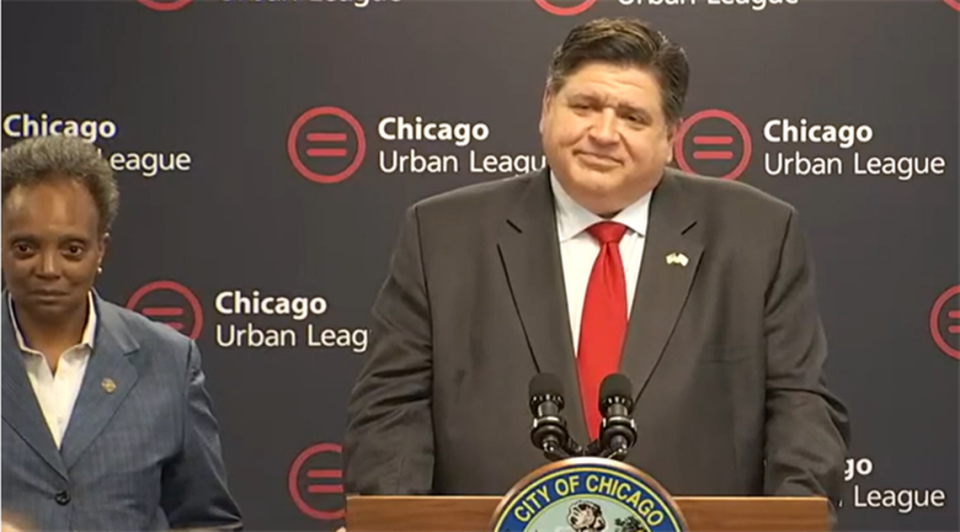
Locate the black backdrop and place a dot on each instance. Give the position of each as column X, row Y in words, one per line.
column 213, row 113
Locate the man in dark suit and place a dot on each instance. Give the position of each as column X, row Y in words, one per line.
column 107, row 424
column 699, row 290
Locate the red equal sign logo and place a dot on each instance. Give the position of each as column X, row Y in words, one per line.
column 325, row 474
column 165, row 312
column 170, row 303
column 320, row 149
column 165, row 5
column 713, row 154
column 573, row 7
column 327, row 137
column 945, row 316
column 953, row 315
column 713, row 149
column 315, row 482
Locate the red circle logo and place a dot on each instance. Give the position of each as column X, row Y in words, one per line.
column 565, row 11
column 944, row 317
column 167, row 311
column 312, row 477
column 955, row 4
column 326, row 145
column 713, row 147
column 160, row 5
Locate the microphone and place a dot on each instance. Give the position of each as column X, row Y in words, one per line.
column 618, row 431
column 549, row 431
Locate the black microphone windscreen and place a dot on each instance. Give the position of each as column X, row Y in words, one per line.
column 615, row 385
column 545, row 383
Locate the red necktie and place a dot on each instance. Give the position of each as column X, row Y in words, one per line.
column 604, row 322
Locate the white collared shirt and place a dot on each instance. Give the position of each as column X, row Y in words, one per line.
column 579, row 250
column 58, row 392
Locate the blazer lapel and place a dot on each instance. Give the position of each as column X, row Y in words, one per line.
column 21, row 410
column 531, row 258
column 109, row 378
column 663, row 286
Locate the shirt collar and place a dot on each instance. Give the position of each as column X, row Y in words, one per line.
column 573, row 218
column 89, row 330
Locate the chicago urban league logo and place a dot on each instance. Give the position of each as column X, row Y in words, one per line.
column 550, row 6
column 165, row 5
column 170, row 303
column 719, row 144
column 315, row 483
column 944, row 319
column 588, row 494
column 326, row 144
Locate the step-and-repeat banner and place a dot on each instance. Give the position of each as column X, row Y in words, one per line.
column 267, row 149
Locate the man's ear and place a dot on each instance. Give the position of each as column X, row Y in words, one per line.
column 673, row 129
column 545, row 102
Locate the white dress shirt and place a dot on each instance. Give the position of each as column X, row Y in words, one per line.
column 57, row 392
column 579, row 250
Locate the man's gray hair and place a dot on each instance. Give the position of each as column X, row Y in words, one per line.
column 39, row 159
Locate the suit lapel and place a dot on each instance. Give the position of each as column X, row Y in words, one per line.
column 531, row 258
column 21, row 410
column 663, row 287
column 109, row 378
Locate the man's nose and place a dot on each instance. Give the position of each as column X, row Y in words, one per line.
column 605, row 127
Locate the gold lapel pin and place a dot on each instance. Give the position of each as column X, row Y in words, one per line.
column 108, row 385
column 677, row 258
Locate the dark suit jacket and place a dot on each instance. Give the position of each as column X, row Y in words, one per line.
column 726, row 354
column 143, row 457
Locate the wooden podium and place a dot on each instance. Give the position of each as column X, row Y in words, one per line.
column 472, row 514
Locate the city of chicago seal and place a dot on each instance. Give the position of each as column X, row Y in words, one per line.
column 588, row 495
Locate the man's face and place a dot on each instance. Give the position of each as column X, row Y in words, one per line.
column 51, row 247
column 605, row 135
